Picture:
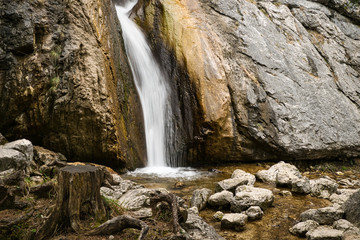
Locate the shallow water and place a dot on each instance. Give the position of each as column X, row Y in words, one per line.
column 276, row 221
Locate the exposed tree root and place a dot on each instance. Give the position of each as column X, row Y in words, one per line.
column 8, row 224
column 119, row 223
column 173, row 203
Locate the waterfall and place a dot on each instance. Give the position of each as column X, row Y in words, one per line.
column 152, row 89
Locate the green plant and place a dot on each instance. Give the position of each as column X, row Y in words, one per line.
column 114, row 205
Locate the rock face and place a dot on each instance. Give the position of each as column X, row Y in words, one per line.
column 65, row 82
column 301, row 228
column 271, row 81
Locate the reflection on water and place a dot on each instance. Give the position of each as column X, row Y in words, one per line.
column 276, row 221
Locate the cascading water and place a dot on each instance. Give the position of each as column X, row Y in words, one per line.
column 151, row 86
column 154, row 96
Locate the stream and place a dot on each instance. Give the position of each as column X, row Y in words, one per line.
column 276, row 221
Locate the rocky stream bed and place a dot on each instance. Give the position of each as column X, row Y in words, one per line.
column 243, row 201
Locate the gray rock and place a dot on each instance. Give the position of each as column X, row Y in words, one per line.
column 352, row 209
column 343, row 225
column 218, row 216
column 120, row 189
column 142, row 213
column 282, row 174
column 324, row 216
column 324, row 233
column 300, row 229
column 197, row 228
column 230, row 184
column 302, row 185
column 221, row 199
column 238, row 173
column 341, row 196
column 247, row 196
column 254, row 213
column 136, row 199
column 200, row 197
column 17, row 154
column 236, row 221
column 323, row 187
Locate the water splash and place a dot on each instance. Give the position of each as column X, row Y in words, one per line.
column 151, row 86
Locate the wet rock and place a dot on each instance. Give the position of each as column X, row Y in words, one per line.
column 324, row 233
column 236, row 221
column 218, row 216
column 17, row 154
column 352, row 209
column 238, row 173
column 301, row 228
column 254, row 213
column 200, row 197
column 197, row 228
column 230, row 184
column 324, row 216
column 247, row 196
column 220, row 199
column 302, row 185
column 323, row 187
column 282, row 174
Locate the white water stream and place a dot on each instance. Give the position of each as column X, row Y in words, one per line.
column 154, row 96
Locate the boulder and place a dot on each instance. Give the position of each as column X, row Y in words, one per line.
column 119, row 190
column 300, row 229
column 282, row 174
column 247, row 196
column 230, row 184
column 323, row 187
column 197, row 228
column 254, row 213
column 324, row 216
column 218, row 216
column 352, row 209
column 222, row 198
column 302, row 185
column 324, row 233
column 200, row 197
column 344, row 225
column 234, row 221
column 341, row 196
column 238, row 173
column 18, row 154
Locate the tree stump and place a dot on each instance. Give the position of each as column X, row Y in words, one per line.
column 78, row 197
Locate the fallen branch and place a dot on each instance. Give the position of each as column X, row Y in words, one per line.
column 119, row 223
